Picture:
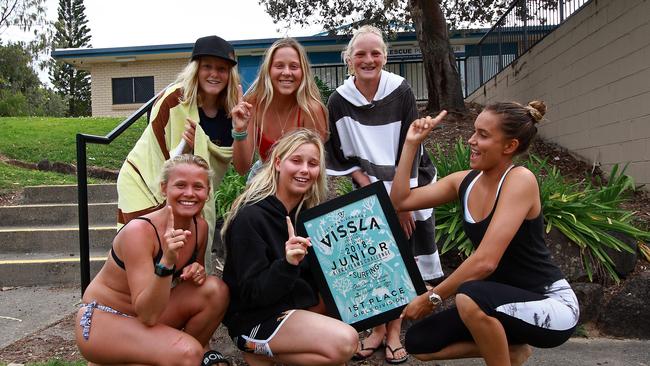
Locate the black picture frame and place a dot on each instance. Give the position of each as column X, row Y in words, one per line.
column 399, row 265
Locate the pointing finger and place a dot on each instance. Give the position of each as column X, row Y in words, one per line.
column 292, row 232
column 240, row 93
column 170, row 218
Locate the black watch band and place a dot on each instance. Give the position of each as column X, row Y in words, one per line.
column 163, row 271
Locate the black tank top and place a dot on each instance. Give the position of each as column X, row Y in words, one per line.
column 526, row 263
column 158, row 257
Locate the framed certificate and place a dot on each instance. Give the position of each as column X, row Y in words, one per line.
column 360, row 258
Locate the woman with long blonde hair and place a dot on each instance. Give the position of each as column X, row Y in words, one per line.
column 284, row 97
column 274, row 311
column 192, row 115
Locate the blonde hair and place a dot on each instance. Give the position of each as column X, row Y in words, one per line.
column 265, row 183
column 346, row 55
column 261, row 91
column 188, row 159
column 189, row 80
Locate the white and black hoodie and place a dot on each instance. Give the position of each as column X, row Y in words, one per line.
column 369, row 136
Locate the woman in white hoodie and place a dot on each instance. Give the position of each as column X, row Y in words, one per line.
column 369, row 116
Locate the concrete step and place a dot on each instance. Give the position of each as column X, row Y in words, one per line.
column 45, row 269
column 99, row 214
column 53, row 239
column 97, row 193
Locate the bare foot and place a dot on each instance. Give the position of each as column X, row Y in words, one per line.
column 519, row 353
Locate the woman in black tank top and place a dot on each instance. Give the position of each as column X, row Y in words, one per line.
column 508, row 293
column 152, row 302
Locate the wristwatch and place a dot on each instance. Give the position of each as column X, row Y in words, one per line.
column 434, row 298
column 163, row 271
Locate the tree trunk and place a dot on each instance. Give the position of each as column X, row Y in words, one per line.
column 443, row 79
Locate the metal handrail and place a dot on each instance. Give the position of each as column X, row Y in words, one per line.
column 82, row 183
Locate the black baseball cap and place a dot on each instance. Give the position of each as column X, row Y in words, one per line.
column 214, row 46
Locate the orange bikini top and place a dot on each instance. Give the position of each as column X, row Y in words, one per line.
column 265, row 143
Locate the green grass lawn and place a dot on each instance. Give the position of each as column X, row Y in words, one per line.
column 33, row 139
column 12, row 178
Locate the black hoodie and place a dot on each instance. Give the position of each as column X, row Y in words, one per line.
column 262, row 283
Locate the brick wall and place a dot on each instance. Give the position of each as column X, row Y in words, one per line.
column 593, row 72
column 164, row 72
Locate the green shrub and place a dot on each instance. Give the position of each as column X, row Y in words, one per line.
column 231, row 186
column 13, row 104
column 585, row 213
column 325, row 90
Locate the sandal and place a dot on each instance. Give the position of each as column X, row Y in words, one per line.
column 393, row 360
column 213, row 358
column 359, row 357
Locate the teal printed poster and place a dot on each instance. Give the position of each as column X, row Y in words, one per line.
column 360, row 260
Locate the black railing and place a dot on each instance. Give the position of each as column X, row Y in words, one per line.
column 333, row 75
column 82, row 184
column 525, row 23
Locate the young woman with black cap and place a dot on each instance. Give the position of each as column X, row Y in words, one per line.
column 192, row 115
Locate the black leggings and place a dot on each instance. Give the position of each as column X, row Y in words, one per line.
column 543, row 321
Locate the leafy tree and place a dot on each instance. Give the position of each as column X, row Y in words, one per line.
column 429, row 18
column 21, row 92
column 71, row 32
column 16, row 73
column 28, row 16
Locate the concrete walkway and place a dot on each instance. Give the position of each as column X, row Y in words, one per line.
column 26, row 310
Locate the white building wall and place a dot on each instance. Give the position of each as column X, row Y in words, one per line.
column 593, row 73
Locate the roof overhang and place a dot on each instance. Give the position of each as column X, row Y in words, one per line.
column 84, row 58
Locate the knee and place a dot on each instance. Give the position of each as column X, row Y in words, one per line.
column 215, row 292
column 468, row 310
column 345, row 344
column 186, row 351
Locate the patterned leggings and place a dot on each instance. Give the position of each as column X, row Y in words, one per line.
column 542, row 321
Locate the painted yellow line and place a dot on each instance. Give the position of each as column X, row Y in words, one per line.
column 53, row 260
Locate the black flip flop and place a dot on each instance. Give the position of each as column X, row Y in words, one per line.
column 393, row 360
column 213, row 358
column 359, row 357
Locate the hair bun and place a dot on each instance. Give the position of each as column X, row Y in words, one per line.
column 536, row 109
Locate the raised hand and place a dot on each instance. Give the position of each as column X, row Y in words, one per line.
column 173, row 240
column 241, row 113
column 194, row 272
column 296, row 246
column 189, row 133
column 421, row 127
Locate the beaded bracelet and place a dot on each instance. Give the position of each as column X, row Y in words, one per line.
column 238, row 136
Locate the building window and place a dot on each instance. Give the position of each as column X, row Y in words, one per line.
column 132, row 90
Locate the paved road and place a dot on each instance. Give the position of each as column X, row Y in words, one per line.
column 26, row 310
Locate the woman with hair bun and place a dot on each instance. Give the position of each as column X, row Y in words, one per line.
column 509, row 295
